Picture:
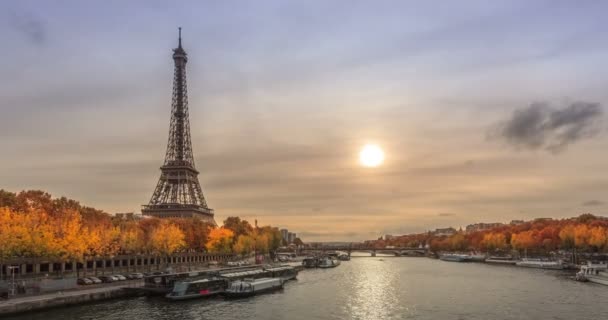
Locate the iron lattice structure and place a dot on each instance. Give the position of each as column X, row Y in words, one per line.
column 178, row 192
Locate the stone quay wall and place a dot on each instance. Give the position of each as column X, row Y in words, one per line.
column 96, row 266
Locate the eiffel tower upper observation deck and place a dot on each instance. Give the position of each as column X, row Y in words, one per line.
column 178, row 192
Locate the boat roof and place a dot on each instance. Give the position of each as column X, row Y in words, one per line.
column 243, row 273
column 280, row 268
column 259, row 280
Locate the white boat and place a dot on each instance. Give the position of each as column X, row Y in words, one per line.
column 455, row 257
column 251, row 287
column 541, row 264
column 328, row 262
column 501, row 260
column 593, row 272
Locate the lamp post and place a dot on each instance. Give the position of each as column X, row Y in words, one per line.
column 12, row 268
column 255, row 240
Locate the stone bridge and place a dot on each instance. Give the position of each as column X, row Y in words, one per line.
column 398, row 252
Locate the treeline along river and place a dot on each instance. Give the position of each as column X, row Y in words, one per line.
column 381, row 288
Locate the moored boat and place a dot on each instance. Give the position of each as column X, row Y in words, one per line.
column 593, row 272
column 284, row 273
column 328, row 262
column 501, row 260
column 310, row 262
column 344, row 257
column 455, row 257
column 250, row 287
column 197, row 288
column 541, row 264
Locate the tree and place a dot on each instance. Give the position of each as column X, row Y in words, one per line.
column 196, row 232
column 566, row 235
column 494, row 241
column 244, row 245
column 598, row 238
column 458, row 242
column 298, row 242
column 130, row 238
column 167, row 238
column 238, row 226
column 523, row 240
column 581, row 236
column 220, row 240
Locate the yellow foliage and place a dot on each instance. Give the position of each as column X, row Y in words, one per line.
column 220, row 240
column 493, row 241
column 598, row 237
column 244, row 245
column 167, row 238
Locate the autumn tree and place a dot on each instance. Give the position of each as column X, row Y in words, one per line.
column 220, row 240
column 167, row 238
column 238, row 227
column 566, row 235
column 523, row 240
column 494, row 241
column 244, row 245
column 196, row 232
column 598, row 238
column 581, row 236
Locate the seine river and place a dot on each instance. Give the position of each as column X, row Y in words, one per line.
column 382, row 288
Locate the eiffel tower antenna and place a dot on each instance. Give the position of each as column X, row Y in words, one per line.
column 178, row 192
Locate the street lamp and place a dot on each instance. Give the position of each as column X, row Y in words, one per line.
column 12, row 268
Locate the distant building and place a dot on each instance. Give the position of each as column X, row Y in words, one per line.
column 285, row 235
column 291, row 237
column 388, row 237
column 482, row 226
column 444, row 232
column 516, row 222
column 127, row 216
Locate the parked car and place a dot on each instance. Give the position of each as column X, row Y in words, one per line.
column 95, row 280
column 84, row 281
column 120, row 277
column 3, row 290
column 135, row 275
column 107, row 279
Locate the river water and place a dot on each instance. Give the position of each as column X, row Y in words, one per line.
column 381, row 288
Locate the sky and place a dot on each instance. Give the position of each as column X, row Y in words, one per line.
column 487, row 111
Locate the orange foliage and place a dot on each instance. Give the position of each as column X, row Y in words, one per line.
column 220, row 240
column 33, row 225
column 585, row 233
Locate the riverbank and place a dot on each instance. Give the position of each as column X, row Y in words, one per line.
column 67, row 298
column 421, row 289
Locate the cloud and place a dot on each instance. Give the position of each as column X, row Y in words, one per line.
column 593, row 203
column 446, row 214
column 32, row 27
column 541, row 126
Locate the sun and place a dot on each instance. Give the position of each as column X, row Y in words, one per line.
column 371, row 155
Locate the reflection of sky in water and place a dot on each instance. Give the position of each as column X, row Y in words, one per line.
column 367, row 288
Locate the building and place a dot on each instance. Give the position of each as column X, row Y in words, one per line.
column 482, row 226
column 444, row 232
column 285, row 235
column 127, row 216
column 388, row 237
column 178, row 192
column 516, row 222
column 291, row 237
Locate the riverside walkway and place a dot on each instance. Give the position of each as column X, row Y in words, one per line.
column 66, row 298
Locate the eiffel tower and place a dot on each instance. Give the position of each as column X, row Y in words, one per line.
column 178, row 192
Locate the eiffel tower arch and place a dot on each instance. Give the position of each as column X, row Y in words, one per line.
column 178, row 192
